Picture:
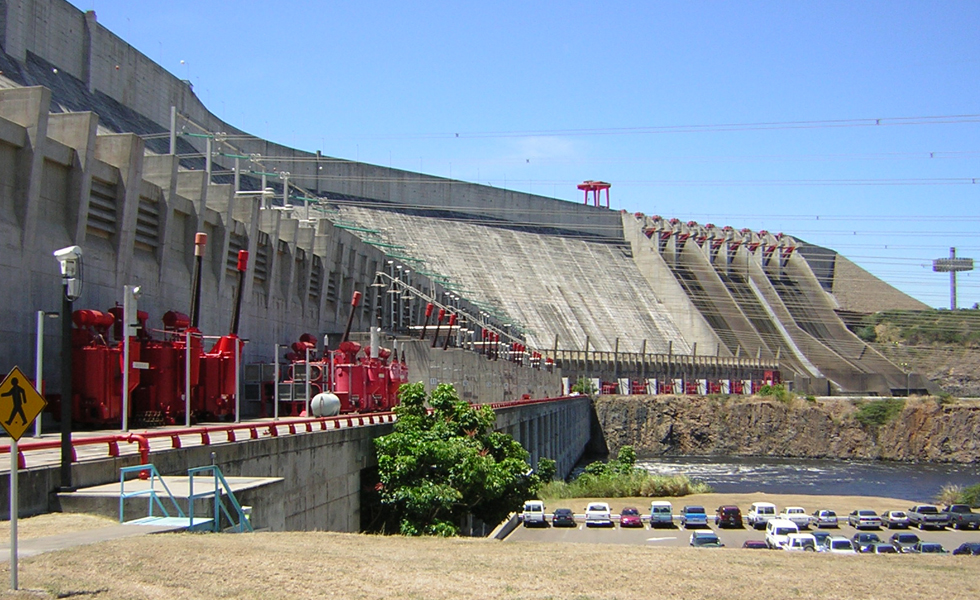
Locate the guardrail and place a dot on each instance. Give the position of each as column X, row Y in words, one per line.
column 112, row 441
column 231, row 432
column 255, row 431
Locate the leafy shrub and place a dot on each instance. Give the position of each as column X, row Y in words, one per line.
column 778, row 391
column 876, row 413
column 621, row 479
column 584, row 386
column 971, row 496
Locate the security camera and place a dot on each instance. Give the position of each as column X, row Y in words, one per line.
column 68, row 253
column 69, row 258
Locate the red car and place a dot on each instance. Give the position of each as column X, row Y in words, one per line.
column 630, row 517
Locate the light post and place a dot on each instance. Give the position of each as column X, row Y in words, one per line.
column 131, row 294
column 70, row 260
column 39, row 361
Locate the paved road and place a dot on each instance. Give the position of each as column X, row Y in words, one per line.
column 676, row 537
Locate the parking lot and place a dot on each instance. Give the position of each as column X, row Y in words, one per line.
column 731, row 537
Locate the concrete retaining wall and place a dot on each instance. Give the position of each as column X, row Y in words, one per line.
column 321, row 471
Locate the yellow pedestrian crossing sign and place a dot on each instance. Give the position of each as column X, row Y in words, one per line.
column 20, row 403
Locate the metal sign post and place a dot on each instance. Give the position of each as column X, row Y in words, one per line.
column 20, row 400
column 14, row 476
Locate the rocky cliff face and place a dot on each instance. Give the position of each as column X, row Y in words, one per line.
column 924, row 430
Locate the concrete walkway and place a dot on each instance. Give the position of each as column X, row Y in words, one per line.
column 52, row 543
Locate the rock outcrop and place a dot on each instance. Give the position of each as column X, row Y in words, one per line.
column 925, row 429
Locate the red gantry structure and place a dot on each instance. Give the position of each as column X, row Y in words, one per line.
column 595, row 188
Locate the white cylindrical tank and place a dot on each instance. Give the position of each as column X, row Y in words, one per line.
column 325, row 405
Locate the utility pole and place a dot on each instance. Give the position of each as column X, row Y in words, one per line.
column 952, row 265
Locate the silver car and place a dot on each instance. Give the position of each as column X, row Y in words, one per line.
column 895, row 519
column 824, row 518
column 864, row 519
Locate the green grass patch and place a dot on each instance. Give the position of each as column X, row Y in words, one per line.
column 875, row 413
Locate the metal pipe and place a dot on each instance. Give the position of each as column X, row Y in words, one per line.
column 452, row 321
column 242, row 266
column 350, row 318
column 238, row 379
column 307, row 380
column 187, row 379
column 275, row 394
column 39, row 367
column 428, row 313
column 200, row 240
column 442, row 313
column 66, row 390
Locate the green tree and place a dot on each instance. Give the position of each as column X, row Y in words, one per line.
column 437, row 467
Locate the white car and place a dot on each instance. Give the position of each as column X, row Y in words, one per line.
column 800, row 542
column 533, row 515
column 778, row 531
column 598, row 514
column 760, row 513
column 797, row 515
column 838, row 544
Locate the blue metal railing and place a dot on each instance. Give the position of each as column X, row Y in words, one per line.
column 154, row 499
column 242, row 524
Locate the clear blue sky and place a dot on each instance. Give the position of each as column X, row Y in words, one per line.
column 544, row 95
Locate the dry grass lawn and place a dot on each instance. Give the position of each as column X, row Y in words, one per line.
column 53, row 524
column 330, row 565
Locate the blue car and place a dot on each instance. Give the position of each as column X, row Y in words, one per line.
column 694, row 516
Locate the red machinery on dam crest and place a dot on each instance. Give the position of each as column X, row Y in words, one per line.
column 173, row 380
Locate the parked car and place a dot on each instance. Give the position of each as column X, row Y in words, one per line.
column 760, row 513
column 864, row 519
column 800, row 542
column 661, row 514
column 755, row 545
column 961, row 517
column 838, row 544
column 927, row 516
column 693, row 516
column 824, row 518
column 563, row 517
column 598, row 514
column 879, row 548
column 821, row 537
column 797, row 515
column 728, row 516
column 630, row 517
column 895, row 519
column 533, row 515
column 705, row 539
column 930, row 548
column 904, row 542
column 862, row 539
column 777, row 532
column 968, row 548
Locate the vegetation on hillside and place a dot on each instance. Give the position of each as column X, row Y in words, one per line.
column 875, row 413
column 621, row 478
column 922, row 327
column 437, row 468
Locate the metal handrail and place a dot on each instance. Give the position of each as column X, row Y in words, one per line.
column 219, row 506
column 154, row 475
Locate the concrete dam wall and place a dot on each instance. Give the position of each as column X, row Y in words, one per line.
column 924, row 430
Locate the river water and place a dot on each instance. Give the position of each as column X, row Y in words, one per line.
column 917, row 482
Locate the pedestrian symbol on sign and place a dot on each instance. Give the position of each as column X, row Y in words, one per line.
column 17, row 397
